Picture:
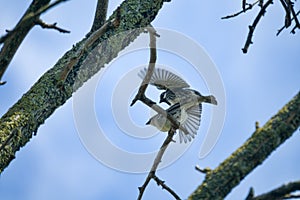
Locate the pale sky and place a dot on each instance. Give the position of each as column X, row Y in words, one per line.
column 55, row 164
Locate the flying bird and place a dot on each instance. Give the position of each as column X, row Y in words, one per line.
column 176, row 89
column 189, row 120
column 185, row 103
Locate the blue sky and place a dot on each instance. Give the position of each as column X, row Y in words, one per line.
column 56, row 165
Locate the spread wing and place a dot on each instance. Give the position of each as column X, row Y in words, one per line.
column 190, row 121
column 164, row 79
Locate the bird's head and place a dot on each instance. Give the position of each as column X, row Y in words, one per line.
column 163, row 98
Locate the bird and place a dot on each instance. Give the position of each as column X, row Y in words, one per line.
column 176, row 89
column 189, row 121
column 185, row 103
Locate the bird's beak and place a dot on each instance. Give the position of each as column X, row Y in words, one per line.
column 148, row 122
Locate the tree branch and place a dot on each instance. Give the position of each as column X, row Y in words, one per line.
column 283, row 27
column 153, row 55
column 141, row 96
column 247, row 7
column 100, row 15
column 287, row 8
column 220, row 181
column 13, row 39
column 282, row 192
column 254, row 24
column 151, row 174
column 44, row 97
column 51, row 26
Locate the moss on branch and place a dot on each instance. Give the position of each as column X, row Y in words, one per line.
column 24, row 118
column 220, row 181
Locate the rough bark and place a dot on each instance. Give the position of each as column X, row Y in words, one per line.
column 14, row 38
column 23, row 119
column 220, row 181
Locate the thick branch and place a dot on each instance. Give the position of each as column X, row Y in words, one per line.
column 282, row 192
column 220, row 181
column 100, row 16
column 25, row 117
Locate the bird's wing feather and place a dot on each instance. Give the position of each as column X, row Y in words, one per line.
column 191, row 123
column 164, row 79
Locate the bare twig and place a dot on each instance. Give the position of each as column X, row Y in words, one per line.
column 283, row 27
column 100, row 15
column 164, row 186
column 287, row 8
column 45, row 8
column 254, row 24
column 297, row 24
column 244, row 5
column 12, row 40
column 151, row 174
column 141, row 92
column 51, row 26
column 247, row 7
column 204, row 171
column 43, row 98
column 282, row 192
column 140, row 96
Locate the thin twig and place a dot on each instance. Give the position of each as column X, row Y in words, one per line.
column 254, row 24
column 157, row 160
column 140, row 96
column 45, row 8
column 261, row 3
column 283, row 27
column 13, row 39
column 282, row 192
column 204, row 171
column 247, row 7
column 244, row 5
column 151, row 66
column 51, row 26
column 164, row 186
column 297, row 24
column 287, row 8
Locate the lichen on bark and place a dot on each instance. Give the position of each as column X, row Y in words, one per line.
column 23, row 119
column 220, row 181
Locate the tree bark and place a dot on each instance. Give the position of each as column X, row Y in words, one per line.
column 220, row 181
column 14, row 38
column 23, row 119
